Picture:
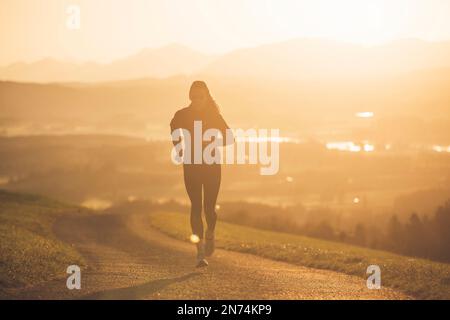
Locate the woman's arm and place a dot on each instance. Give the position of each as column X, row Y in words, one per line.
column 174, row 125
column 227, row 133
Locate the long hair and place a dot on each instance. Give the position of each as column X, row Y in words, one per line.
column 199, row 88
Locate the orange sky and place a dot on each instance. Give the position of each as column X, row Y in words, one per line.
column 34, row 29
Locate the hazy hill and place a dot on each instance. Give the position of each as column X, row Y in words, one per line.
column 414, row 98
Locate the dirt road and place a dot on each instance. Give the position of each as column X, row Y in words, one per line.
column 127, row 259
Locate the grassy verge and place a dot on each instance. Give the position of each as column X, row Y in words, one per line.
column 29, row 252
column 419, row 278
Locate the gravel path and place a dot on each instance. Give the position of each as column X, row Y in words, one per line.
column 127, row 259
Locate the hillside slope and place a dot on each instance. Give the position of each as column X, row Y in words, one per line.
column 29, row 251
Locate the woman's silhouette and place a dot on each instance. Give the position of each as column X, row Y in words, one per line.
column 201, row 176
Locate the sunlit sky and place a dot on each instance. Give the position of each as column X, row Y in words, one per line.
column 35, row 29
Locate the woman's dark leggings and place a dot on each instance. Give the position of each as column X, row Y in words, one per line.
column 196, row 178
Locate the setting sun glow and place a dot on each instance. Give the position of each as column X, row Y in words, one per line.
column 113, row 29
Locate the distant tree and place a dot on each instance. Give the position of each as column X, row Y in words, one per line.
column 430, row 238
column 395, row 235
column 374, row 237
column 323, row 230
column 343, row 237
column 415, row 237
column 359, row 235
column 442, row 229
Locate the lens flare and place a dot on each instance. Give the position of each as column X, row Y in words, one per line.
column 365, row 114
column 194, row 238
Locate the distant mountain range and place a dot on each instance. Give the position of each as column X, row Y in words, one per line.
column 310, row 59
column 149, row 63
column 294, row 59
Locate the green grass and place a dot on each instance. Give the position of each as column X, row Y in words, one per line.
column 29, row 252
column 419, row 278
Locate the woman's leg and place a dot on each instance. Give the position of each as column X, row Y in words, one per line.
column 193, row 185
column 211, row 186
